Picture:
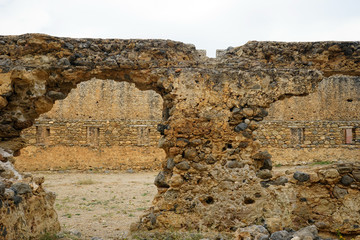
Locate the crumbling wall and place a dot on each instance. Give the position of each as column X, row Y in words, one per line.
column 212, row 178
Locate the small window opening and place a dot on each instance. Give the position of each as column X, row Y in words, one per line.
column 143, row 136
column 350, row 135
column 42, row 135
column 297, row 135
column 92, row 136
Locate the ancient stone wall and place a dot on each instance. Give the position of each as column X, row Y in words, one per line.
column 310, row 128
column 93, row 133
column 323, row 126
column 91, row 144
column 102, row 124
column 215, row 174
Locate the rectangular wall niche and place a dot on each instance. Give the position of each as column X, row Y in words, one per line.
column 297, row 135
column 42, row 135
column 349, row 135
column 92, row 135
column 143, row 136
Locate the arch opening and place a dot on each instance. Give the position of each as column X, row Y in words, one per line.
column 100, row 144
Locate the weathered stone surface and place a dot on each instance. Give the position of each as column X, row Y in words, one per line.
column 301, row 177
column 21, row 188
column 252, row 232
column 346, row 180
column 309, row 232
column 200, row 167
column 339, row 192
column 280, row 235
column 200, row 98
column 184, row 165
column 190, row 153
column 262, row 155
column 240, row 127
column 2, row 189
column 356, row 174
column 264, row 174
column 3, row 102
column 170, row 164
column 234, row 164
column 160, row 181
column 267, row 164
column 280, row 181
column 56, row 95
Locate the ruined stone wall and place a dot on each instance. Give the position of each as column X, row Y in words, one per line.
column 102, row 124
column 91, row 144
column 93, row 133
column 215, row 176
column 312, row 128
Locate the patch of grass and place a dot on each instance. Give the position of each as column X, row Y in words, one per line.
column 107, row 214
column 174, row 236
column 68, row 215
column 141, row 209
column 48, row 236
column 316, row 162
column 144, row 194
column 85, row 182
column 278, row 165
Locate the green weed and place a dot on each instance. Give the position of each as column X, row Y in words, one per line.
column 321, row 162
column 85, row 182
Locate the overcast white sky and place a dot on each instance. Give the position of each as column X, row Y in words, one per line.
column 208, row 24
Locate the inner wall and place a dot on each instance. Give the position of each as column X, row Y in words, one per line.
column 100, row 125
column 323, row 126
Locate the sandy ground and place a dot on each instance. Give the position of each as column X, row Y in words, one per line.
column 100, row 204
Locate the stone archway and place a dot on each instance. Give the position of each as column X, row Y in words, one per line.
column 215, row 177
column 100, row 125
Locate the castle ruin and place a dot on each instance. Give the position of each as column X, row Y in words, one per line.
column 216, row 176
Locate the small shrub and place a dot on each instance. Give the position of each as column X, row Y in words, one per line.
column 85, row 182
column 48, row 236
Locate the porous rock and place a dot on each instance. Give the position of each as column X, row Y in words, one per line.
column 21, row 188
column 301, row 177
column 346, row 180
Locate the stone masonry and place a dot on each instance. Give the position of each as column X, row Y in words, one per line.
column 215, row 176
column 310, row 128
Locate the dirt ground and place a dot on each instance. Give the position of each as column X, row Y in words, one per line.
column 99, row 205
column 103, row 205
